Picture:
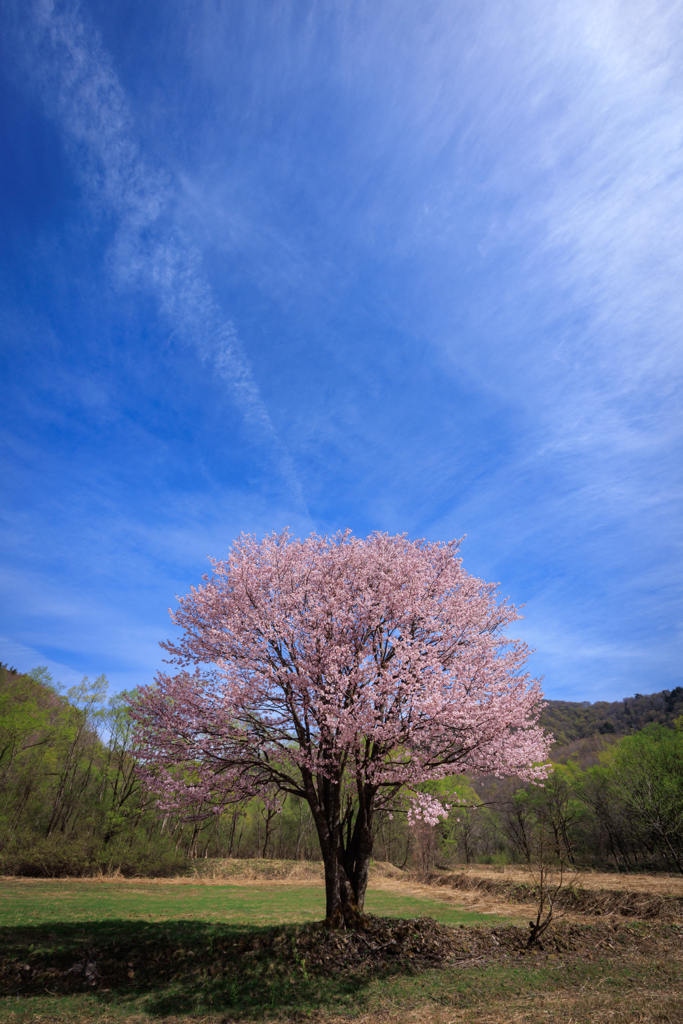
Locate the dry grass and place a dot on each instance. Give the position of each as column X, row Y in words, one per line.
column 258, row 871
column 642, row 1007
column 575, row 898
column 660, row 885
column 476, row 900
column 210, row 872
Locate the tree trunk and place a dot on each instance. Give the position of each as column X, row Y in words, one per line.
column 346, row 857
column 268, row 818
column 356, row 852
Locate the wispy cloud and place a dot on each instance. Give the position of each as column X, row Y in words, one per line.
column 451, row 237
column 76, row 81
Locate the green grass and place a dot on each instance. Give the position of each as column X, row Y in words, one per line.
column 43, row 901
column 184, row 952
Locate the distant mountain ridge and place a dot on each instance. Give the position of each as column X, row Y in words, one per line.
column 570, row 721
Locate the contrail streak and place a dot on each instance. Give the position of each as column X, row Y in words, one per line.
column 79, row 89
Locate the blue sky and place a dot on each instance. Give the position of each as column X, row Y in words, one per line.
column 412, row 267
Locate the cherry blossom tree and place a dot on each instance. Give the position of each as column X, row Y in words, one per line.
column 347, row 672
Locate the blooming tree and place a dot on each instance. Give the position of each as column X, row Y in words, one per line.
column 347, row 672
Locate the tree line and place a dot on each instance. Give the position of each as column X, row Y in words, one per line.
column 622, row 809
column 71, row 801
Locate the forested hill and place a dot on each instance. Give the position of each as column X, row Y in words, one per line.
column 576, row 720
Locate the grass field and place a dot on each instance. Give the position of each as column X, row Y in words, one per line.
column 29, row 902
column 213, row 953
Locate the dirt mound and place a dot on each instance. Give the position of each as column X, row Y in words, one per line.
column 573, row 897
column 385, row 869
column 414, row 945
column 420, row 942
column 251, row 870
column 29, row 965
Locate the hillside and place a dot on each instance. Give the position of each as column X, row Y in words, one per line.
column 570, row 721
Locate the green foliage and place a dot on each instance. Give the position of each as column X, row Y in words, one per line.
column 647, row 780
column 71, row 804
column 571, row 720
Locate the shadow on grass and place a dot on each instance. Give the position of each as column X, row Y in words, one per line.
column 175, row 967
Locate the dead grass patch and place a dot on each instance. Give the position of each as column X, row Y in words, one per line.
column 210, row 872
column 660, row 884
column 478, row 900
column 574, row 898
column 643, row 1007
